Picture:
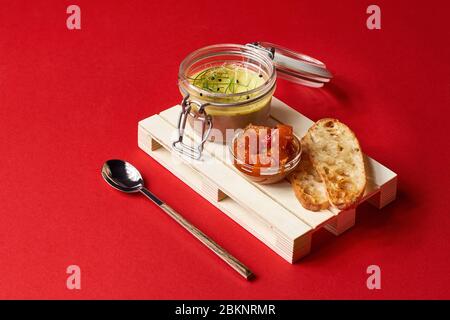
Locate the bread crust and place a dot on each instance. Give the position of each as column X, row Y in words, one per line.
column 336, row 154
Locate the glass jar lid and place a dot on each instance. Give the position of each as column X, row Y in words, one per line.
column 295, row 67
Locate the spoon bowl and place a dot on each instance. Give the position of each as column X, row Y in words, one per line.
column 122, row 176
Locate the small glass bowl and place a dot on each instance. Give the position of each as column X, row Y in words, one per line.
column 265, row 175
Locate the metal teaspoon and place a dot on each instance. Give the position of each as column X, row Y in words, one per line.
column 124, row 177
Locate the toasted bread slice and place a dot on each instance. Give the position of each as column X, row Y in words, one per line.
column 336, row 155
column 308, row 186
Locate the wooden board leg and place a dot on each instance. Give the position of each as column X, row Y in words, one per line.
column 154, row 145
column 212, row 191
column 302, row 247
column 386, row 195
column 344, row 221
column 146, row 142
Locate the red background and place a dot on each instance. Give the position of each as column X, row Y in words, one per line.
column 69, row 100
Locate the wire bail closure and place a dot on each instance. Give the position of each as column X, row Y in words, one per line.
column 192, row 151
column 294, row 66
column 270, row 51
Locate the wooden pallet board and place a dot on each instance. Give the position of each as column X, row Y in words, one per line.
column 271, row 213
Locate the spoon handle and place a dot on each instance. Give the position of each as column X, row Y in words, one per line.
column 218, row 250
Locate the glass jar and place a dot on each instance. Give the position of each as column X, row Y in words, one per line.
column 228, row 86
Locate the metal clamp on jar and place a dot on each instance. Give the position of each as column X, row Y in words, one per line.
column 229, row 86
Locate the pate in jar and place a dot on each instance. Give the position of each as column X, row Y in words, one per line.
column 228, row 86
